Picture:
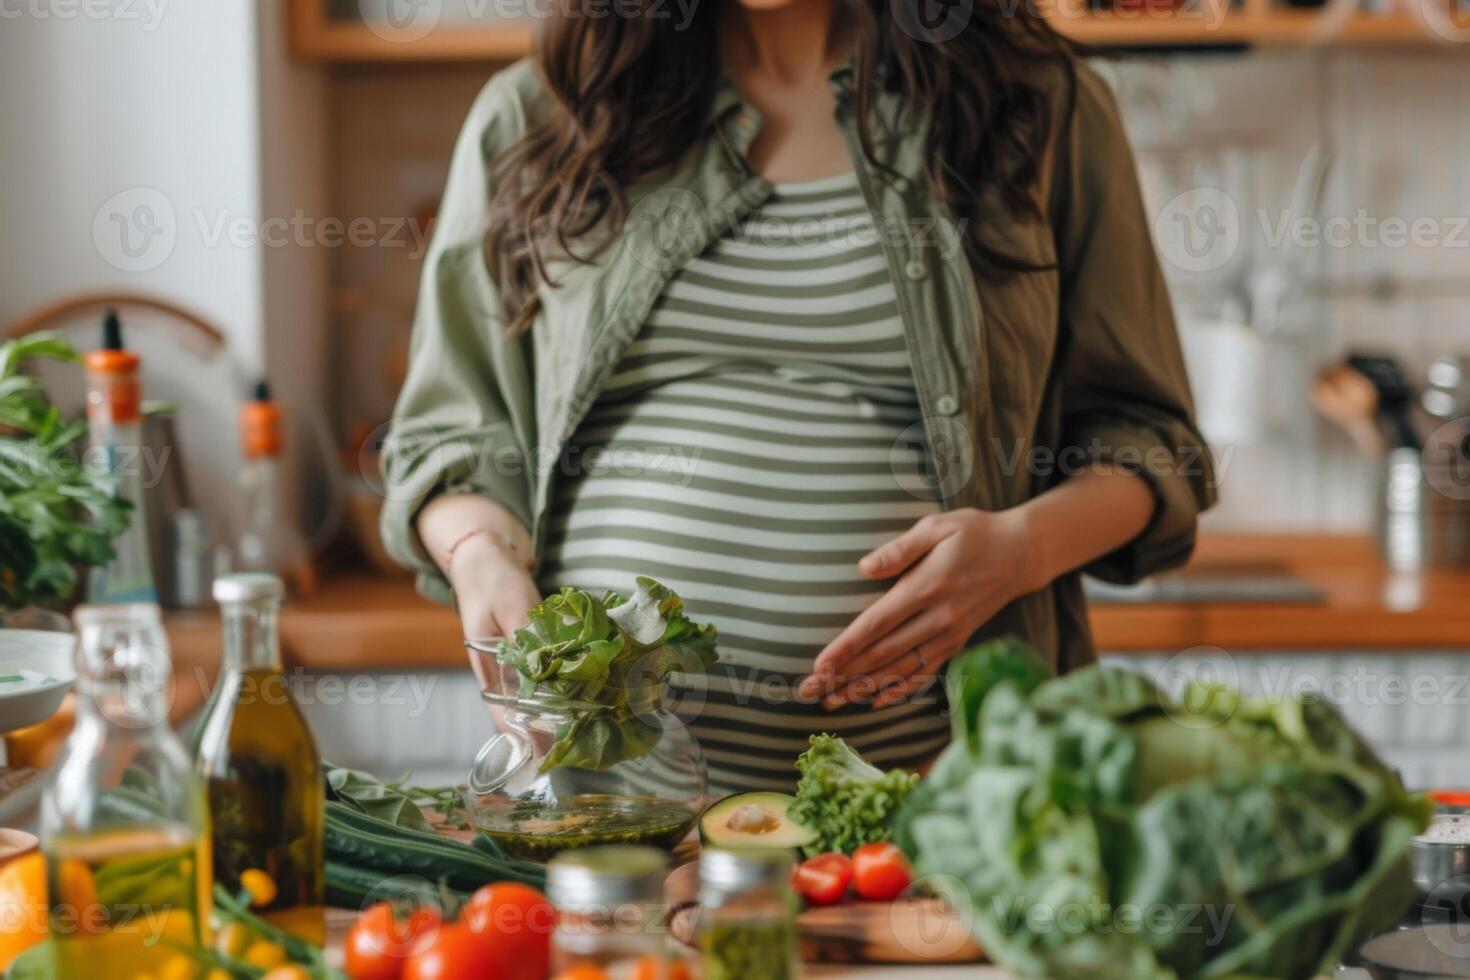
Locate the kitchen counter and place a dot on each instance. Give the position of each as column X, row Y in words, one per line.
column 360, row 622
column 1361, row 604
column 364, row 623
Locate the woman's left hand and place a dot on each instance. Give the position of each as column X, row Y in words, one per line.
column 955, row 571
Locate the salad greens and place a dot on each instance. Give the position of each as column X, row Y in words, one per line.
column 606, row 658
column 56, row 515
column 1096, row 827
column 845, row 800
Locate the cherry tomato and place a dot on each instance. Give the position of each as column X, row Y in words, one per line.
column 380, row 943
column 583, row 971
column 519, row 917
column 880, row 872
column 823, row 880
column 460, row 953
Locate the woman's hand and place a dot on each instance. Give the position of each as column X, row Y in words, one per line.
column 954, row 572
column 493, row 588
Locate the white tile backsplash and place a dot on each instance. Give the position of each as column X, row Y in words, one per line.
column 1400, row 152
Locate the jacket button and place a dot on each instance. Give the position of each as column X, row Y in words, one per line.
column 946, row 405
column 915, row 270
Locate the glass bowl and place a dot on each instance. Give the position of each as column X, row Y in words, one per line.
column 560, row 774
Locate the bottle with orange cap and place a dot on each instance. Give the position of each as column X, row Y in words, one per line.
column 270, row 541
column 115, row 414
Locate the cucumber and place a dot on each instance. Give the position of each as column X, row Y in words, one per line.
column 363, row 852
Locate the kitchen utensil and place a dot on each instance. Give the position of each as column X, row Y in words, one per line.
column 1347, row 398
column 1447, row 395
column 1278, row 277
column 1395, row 396
column 1228, row 372
column 173, row 521
column 1424, row 510
column 911, row 930
column 44, row 662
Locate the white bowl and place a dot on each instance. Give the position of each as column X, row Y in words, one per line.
column 48, row 654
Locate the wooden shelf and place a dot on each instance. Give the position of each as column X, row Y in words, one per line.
column 318, row 37
column 1300, row 28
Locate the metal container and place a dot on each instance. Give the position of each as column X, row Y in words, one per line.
column 1431, row 952
column 1424, row 508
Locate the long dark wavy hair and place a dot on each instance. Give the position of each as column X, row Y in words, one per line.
column 631, row 93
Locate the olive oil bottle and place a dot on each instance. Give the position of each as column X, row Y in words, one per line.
column 260, row 765
column 124, row 825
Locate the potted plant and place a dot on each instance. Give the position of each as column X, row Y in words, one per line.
column 58, row 517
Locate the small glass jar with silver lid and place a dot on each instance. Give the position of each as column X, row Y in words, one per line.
column 609, row 903
column 747, row 923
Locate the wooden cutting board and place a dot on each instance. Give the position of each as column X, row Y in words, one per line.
column 917, row 930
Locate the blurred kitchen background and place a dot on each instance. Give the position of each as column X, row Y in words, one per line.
column 142, row 155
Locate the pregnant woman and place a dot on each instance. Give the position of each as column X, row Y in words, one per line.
column 844, row 324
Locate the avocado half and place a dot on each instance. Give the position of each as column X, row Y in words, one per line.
column 753, row 820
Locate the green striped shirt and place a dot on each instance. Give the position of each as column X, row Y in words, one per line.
column 760, row 436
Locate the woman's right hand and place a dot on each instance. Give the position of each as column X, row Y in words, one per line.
column 493, row 588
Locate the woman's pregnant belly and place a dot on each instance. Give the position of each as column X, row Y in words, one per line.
column 753, row 497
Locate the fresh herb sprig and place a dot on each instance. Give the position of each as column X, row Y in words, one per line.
column 57, row 516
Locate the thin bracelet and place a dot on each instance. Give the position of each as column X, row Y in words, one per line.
column 500, row 540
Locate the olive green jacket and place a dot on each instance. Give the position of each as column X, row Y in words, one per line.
column 1021, row 381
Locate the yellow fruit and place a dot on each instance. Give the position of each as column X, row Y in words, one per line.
column 265, row 954
column 288, row 972
column 232, row 940
column 217, row 974
column 79, row 891
column 22, row 907
column 179, row 968
column 261, row 886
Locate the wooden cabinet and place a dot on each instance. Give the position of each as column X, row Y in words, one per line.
column 412, row 30
column 500, row 30
column 1217, row 23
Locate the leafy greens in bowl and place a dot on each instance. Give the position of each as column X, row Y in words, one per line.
column 604, row 661
column 1096, row 827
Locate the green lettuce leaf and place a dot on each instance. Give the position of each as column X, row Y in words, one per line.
column 602, row 656
column 1095, row 827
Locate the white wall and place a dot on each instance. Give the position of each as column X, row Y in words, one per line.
column 162, row 108
column 141, row 151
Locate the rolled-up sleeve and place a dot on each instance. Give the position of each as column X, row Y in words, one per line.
column 463, row 418
column 1124, row 389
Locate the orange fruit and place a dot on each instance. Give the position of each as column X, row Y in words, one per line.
column 22, row 907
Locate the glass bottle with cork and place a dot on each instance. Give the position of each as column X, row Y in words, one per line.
column 269, row 542
column 260, row 765
column 124, row 825
column 115, row 415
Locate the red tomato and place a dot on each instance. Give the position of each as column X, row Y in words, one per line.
column 379, row 942
column 459, row 954
column 880, row 872
column 519, row 918
column 823, row 880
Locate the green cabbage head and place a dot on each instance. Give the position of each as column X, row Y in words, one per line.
column 1096, row 828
